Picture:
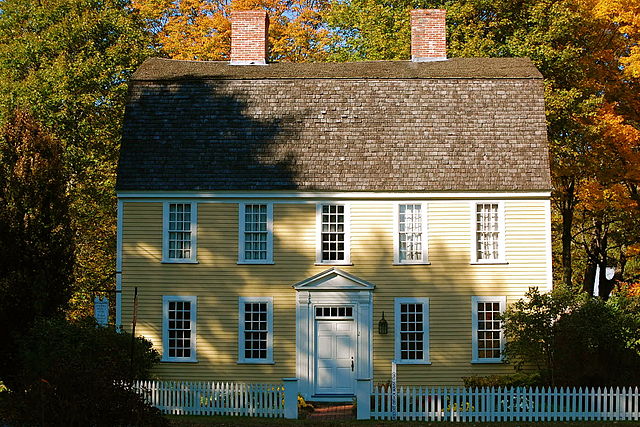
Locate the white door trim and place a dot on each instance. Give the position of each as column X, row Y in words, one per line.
column 306, row 302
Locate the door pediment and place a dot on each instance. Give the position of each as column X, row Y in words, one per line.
column 333, row 279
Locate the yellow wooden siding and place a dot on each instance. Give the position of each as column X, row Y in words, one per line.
column 217, row 280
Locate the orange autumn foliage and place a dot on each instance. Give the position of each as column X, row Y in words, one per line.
column 625, row 17
column 596, row 197
column 200, row 29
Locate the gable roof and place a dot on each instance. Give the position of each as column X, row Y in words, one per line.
column 473, row 124
column 333, row 279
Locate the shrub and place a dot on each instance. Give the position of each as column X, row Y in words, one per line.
column 575, row 340
column 78, row 374
column 520, row 379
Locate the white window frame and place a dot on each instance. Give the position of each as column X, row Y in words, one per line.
column 501, row 233
column 165, row 327
column 425, row 316
column 165, row 233
column 347, row 234
column 396, row 235
column 241, row 311
column 502, row 300
column 241, row 234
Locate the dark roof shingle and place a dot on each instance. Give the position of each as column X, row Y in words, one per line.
column 458, row 125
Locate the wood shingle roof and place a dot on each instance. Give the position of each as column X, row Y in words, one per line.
column 474, row 124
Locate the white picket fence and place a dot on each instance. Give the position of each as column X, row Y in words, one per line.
column 213, row 398
column 501, row 404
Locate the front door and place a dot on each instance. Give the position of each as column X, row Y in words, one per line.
column 335, row 356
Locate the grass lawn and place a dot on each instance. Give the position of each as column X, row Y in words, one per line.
column 197, row 421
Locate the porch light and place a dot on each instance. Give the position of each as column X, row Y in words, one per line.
column 383, row 326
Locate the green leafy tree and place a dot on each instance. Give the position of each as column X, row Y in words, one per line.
column 574, row 340
column 530, row 329
column 68, row 63
column 36, row 237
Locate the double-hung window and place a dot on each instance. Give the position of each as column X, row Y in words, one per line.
column 333, row 234
column 412, row 330
column 255, row 244
column 255, row 330
column 179, row 232
column 179, row 328
column 488, row 336
column 488, row 233
column 410, row 235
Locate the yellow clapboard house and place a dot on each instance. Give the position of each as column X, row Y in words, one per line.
column 320, row 220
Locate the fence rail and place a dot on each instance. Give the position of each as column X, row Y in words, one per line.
column 501, row 404
column 213, row 398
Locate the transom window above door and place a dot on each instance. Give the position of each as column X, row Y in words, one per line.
column 334, row 312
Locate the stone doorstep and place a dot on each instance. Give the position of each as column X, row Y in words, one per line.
column 332, row 411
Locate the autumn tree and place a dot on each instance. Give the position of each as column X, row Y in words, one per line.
column 200, row 29
column 587, row 53
column 36, row 237
column 68, row 62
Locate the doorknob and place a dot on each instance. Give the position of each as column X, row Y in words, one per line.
column 351, row 363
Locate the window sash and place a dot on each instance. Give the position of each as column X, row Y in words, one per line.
column 179, row 328
column 255, row 232
column 412, row 330
column 255, row 330
column 333, row 234
column 410, row 232
column 256, row 240
column 179, row 232
column 488, row 232
column 488, row 334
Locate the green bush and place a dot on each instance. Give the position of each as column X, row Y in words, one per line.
column 78, row 374
column 575, row 340
column 520, row 379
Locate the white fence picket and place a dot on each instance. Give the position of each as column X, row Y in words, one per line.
column 213, row 398
column 502, row 404
column 414, row 403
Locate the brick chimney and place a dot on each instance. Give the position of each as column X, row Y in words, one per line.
column 428, row 35
column 249, row 29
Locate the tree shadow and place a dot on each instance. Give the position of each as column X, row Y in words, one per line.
column 202, row 135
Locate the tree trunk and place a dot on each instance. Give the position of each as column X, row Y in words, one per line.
column 566, row 210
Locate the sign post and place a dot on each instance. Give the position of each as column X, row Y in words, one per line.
column 394, row 391
column 101, row 310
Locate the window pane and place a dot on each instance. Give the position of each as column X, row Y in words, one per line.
column 489, row 330
column 256, row 330
column 333, row 233
column 411, row 332
column 487, row 231
column 410, row 233
column 179, row 328
column 179, row 231
column 255, row 232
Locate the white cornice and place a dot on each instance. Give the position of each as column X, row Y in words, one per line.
column 321, row 195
